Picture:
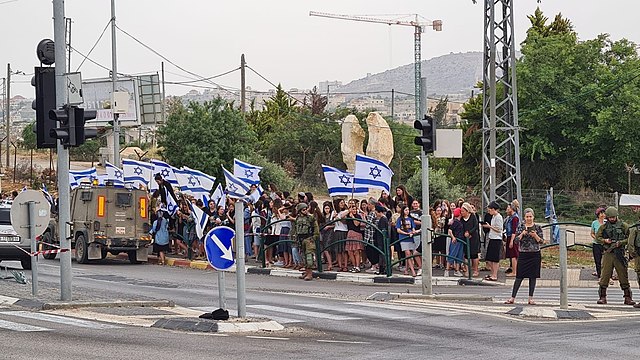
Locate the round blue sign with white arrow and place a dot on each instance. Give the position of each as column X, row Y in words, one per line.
column 217, row 245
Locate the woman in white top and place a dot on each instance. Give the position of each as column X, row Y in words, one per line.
column 340, row 233
column 495, row 240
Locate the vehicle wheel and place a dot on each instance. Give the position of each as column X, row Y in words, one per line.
column 26, row 263
column 104, row 252
column 46, row 237
column 133, row 258
column 81, row 249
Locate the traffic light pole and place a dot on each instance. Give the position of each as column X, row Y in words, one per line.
column 425, row 234
column 63, row 154
column 114, row 79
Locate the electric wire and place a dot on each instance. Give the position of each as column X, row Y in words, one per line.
column 94, row 45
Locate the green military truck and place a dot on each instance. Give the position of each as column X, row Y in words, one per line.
column 105, row 219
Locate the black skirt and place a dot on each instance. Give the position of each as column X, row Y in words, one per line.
column 493, row 250
column 439, row 245
column 529, row 265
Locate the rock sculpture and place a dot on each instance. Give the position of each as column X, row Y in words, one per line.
column 352, row 141
column 380, row 145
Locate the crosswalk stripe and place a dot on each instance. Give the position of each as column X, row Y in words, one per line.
column 407, row 309
column 312, row 314
column 59, row 319
column 233, row 312
column 8, row 325
column 357, row 311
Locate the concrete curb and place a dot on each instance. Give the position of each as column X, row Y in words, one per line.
column 106, row 304
column 386, row 296
column 548, row 313
column 474, row 282
column 212, row 326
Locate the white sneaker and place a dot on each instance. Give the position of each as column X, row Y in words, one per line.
column 458, row 274
column 401, row 268
column 279, row 263
column 419, row 273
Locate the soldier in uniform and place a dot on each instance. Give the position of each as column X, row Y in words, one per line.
column 306, row 232
column 633, row 246
column 613, row 236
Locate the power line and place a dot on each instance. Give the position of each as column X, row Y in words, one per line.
column 94, row 45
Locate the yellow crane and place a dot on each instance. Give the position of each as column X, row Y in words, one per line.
column 418, row 27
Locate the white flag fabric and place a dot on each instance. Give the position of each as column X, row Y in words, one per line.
column 235, row 187
column 200, row 219
column 76, row 177
column 246, row 172
column 372, row 173
column 340, row 183
column 166, row 171
column 219, row 197
column 194, row 182
column 172, row 203
column 46, row 194
column 204, row 182
column 137, row 172
column 114, row 174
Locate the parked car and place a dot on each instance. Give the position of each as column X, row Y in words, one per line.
column 9, row 239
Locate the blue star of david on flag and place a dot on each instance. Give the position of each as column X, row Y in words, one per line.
column 345, row 179
column 232, row 187
column 375, row 172
column 248, row 173
column 118, row 174
column 192, row 181
column 137, row 171
column 164, row 172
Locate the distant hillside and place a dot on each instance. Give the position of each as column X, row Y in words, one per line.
column 447, row 74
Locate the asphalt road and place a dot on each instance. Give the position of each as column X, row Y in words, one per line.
column 322, row 318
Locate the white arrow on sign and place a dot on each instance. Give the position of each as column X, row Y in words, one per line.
column 226, row 253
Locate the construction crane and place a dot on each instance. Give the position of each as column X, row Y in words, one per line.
column 417, row 37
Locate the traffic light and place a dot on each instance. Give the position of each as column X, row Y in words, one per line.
column 77, row 131
column 61, row 117
column 44, row 80
column 427, row 139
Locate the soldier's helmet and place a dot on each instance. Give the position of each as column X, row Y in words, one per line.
column 301, row 206
column 611, row 212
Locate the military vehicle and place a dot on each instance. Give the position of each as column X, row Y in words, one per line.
column 105, row 219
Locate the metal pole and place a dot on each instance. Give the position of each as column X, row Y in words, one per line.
column 34, row 247
column 425, row 234
column 4, row 97
column 563, row 273
column 64, row 215
column 243, row 90
column 114, row 80
column 617, row 199
column 8, row 114
column 240, row 266
column 393, row 100
column 222, row 301
column 163, row 99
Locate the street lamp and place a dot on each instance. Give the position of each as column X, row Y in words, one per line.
column 630, row 169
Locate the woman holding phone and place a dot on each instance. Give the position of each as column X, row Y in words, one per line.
column 529, row 238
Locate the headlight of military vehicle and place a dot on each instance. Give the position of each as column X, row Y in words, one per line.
column 96, row 225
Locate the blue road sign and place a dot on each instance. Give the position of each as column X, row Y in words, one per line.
column 217, row 245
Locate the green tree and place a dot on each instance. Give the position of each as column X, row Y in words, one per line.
column 205, row 136
column 29, row 137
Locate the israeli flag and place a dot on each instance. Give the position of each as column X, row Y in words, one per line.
column 340, row 183
column 114, row 174
column 246, row 172
column 200, row 219
column 166, row 171
column 46, row 194
column 205, row 182
column 235, row 187
column 372, row 173
column 219, row 197
column 172, row 203
column 77, row 177
column 255, row 195
column 137, row 172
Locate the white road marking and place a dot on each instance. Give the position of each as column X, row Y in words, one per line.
column 406, row 308
column 266, row 337
column 312, row 314
column 59, row 319
column 357, row 311
column 8, row 325
column 343, row 342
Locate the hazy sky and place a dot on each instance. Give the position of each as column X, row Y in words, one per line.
column 278, row 37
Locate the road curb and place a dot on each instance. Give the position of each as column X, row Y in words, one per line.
column 387, row 296
column 212, row 326
column 547, row 313
column 105, row 304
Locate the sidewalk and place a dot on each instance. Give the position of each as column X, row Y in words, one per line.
column 549, row 277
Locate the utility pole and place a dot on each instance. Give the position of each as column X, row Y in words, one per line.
column 63, row 154
column 114, row 79
column 8, row 113
column 164, row 121
column 4, row 112
column 243, row 90
column 425, row 234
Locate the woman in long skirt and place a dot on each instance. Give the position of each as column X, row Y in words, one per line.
column 529, row 238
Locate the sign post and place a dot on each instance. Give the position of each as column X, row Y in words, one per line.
column 242, row 303
column 217, row 246
column 30, row 218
